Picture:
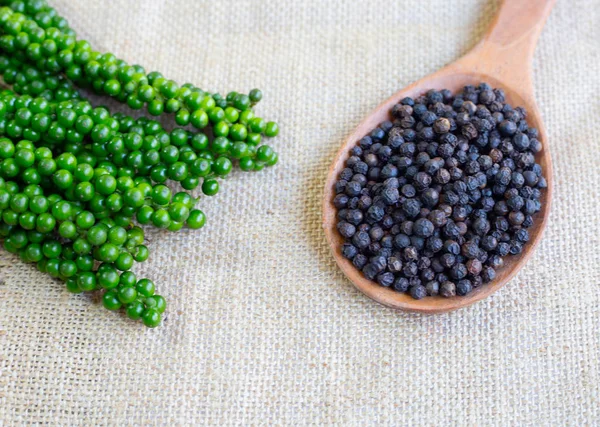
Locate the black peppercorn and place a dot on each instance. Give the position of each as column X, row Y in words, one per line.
column 476, row 281
column 354, row 216
column 401, row 284
column 340, row 186
column 357, row 151
column 423, row 227
column 361, row 240
column 451, row 247
column 346, row 174
column 441, row 125
column 387, row 222
column 373, row 248
column 469, row 131
column 427, row 275
column 423, row 263
column 376, row 233
column 516, row 248
column 394, row 264
column 385, row 252
column 375, row 213
column 410, row 269
column 463, row 287
column 434, row 244
column 481, row 226
column 411, row 207
column 418, row 292
column 507, row 127
column 443, row 176
column 452, row 185
column 522, row 235
column 489, row 243
column 448, row 289
column 458, row 271
column 474, row 267
column 430, row 197
column 390, row 195
column 386, row 126
column 495, row 261
column 408, row 190
column 432, row 288
column 447, row 260
column 387, row 241
column 370, row 271
column 384, row 153
column 364, row 202
column 401, row 241
column 359, row 261
column 407, row 227
column 470, row 249
column 422, row 180
column 377, row 134
column 360, row 178
column 346, row 229
column 515, row 203
column 535, row 145
column 385, row 279
column 373, row 174
column 503, row 249
column 469, row 107
column 488, row 274
column 437, row 218
column 528, row 221
column 418, row 242
column 365, row 142
column 389, row 171
column 411, row 171
column 410, row 253
column 359, row 167
column 340, row 201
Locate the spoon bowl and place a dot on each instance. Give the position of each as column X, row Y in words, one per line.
column 502, row 59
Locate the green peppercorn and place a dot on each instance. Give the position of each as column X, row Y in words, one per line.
column 108, row 278
column 145, row 287
column 135, row 310
column 151, row 318
column 247, row 164
column 110, row 300
column 161, row 218
column 222, row 166
column 86, row 281
column 196, row 219
column 178, row 212
column 124, row 261
column 255, row 96
column 210, row 187
column 141, row 253
column 102, row 176
column 272, row 129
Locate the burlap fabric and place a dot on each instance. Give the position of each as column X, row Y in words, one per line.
column 262, row 328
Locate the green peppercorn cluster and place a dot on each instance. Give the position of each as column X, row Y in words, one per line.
column 75, row 179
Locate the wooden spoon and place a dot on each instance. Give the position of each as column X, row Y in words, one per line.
column 502, row 59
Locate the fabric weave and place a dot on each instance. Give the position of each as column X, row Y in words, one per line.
column 262, row 327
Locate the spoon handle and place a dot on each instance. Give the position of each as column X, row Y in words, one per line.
column 518, row 23
column 507, row 48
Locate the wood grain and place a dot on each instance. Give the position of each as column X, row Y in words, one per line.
column 502, row 59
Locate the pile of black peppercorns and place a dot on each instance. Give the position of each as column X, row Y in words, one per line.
column 431, row 202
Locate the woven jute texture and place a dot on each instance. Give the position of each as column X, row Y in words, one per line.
column 262, row 327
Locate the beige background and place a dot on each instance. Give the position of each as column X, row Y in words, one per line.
column 262, row 328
